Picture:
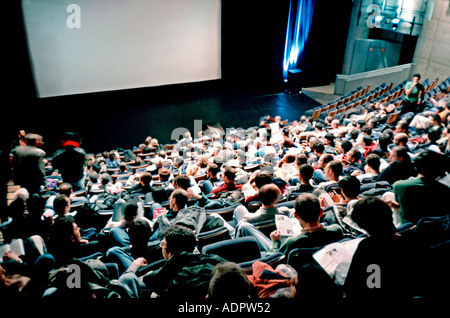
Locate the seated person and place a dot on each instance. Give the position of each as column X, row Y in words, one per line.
column 333, row 170
column 424, row 195
column 395, row 259
column 306, row 172
column 287, row 168
column 399, row 168
column 229, row 176
column 313, row 233
column 319, row 167
column 139, row 232
column 184, row 274
column 144, row 185
column 352, row 162
column 184, row 182
column 67, row 189
column 256, row 181
column 372, row 168
column 268, row 195
column 212, row 180
column 65, row 242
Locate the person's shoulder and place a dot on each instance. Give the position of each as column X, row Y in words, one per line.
column 333, row 228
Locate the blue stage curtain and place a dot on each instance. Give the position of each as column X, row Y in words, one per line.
column 298, row 26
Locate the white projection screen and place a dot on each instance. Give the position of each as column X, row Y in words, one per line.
column 83, row 46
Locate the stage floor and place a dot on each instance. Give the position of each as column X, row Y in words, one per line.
column 125, row 118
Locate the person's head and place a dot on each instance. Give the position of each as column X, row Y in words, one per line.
column 301, row 159
column 374, row 216
column 34, row 140
column 123, row 166
column 434, row 133
column 402, row 126
column 61, row 205
column 329, row 138
column 350, row 187
column 178, row 199
column 435, row 119
column 178, row 238
column 306, row 172
column 65, row 188
column 64, row 235
column 178, row 161
column 367, row 140
column 262, row 179
column 105, row 178
column 139, row 232
column 416, row 78
column 269, row 194
column 307, row 208
column 182, row 181
column 324, row 159
column 431, row 164
column 399, row 153
column 164, row 174
column 333, row 170
column 346, row 145
column 354, row 155
column 229, row 174
column 213, row 170
column 318, row 147
column 229, row 282
column 373, row 161
column 400, row 139
column 130, row 212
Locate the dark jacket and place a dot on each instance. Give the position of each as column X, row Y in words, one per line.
column 70, row 163
column 184, row 275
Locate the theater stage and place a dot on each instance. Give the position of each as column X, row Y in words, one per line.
column 125, row 118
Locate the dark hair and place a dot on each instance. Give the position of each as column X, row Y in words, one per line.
column 318, row 146
column 306, row 171
column 350, row 185
column 263, row 178
column 307, row 207
column 384, row 141
column 302, row 159
column 213, row 168
column 367, row 140
column 356, row 154
column 181, row 197
column 431, row 164
column 354, row 134
column 139, row 232
column 60, row 203
column 346, row 145
column 130, row 211
column 229, row 282
column 182, row 181
column 268, row 193
column 373, row 161
column 374, row 216
column 180, row 239
column 434, row 133
column 417, row 75
column 230, row 173
column 146, row 177
column 336, row 167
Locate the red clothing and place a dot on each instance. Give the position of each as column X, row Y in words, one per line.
column 368, row 149
column 226, row 187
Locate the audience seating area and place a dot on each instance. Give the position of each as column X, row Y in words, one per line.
column 333, row 132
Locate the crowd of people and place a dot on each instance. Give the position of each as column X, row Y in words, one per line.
column 129, row 219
